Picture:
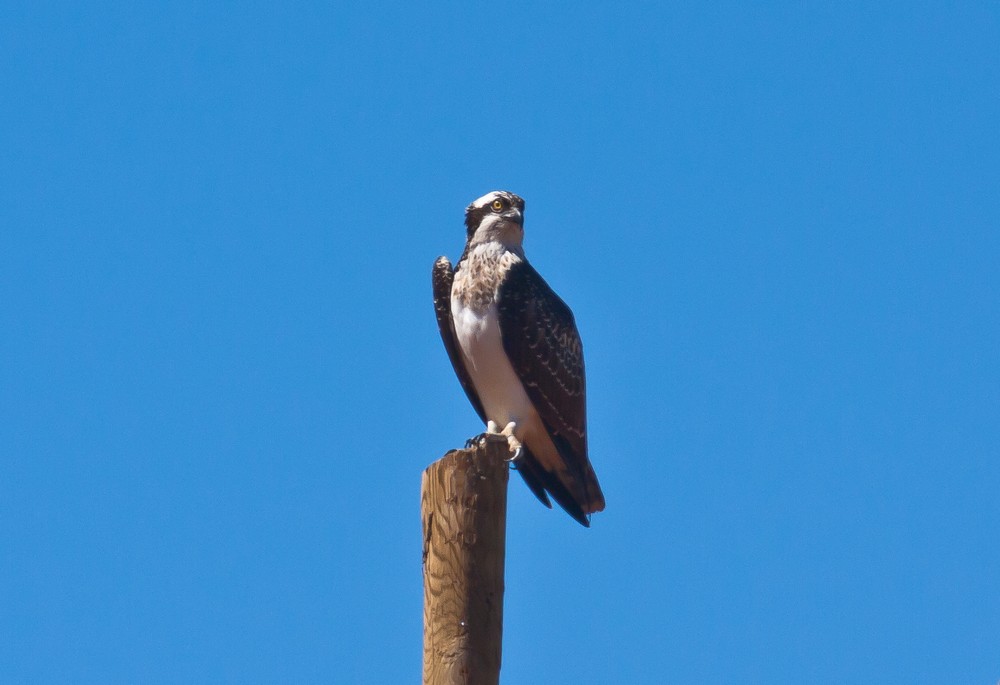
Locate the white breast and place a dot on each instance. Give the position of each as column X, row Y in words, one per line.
column 497, row 385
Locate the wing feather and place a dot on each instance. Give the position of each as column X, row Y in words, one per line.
column 540, row 338
column 442, row 277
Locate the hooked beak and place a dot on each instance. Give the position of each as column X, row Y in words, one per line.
column 514, row 214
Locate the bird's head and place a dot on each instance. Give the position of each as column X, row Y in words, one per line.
column 496, row 216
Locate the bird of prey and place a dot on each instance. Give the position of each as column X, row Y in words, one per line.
column 515, row 348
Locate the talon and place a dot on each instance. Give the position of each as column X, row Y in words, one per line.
column 512, row 442
column 493, row 433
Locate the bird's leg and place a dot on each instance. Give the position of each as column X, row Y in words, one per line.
column 494, row 434
column 491, row 434
column 512, row 441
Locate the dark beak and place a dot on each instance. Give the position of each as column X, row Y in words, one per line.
column 514, row 214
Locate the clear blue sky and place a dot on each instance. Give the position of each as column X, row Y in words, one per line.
column 220, row 376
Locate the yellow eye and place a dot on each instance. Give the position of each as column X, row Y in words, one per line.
column 497, row 205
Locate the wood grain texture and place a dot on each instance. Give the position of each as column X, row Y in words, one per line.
column 463, row 507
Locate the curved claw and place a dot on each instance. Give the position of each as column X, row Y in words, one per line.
column 494, row 433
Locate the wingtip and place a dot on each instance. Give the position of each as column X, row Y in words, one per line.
column 528, row 470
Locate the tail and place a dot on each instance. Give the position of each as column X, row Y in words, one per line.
column 578, row 494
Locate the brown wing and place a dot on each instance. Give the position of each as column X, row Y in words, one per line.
column 442, row 277
column 540, row 337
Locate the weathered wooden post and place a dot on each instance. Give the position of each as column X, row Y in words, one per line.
column 463, row 507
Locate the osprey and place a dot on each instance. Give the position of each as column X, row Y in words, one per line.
column 515, row 348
